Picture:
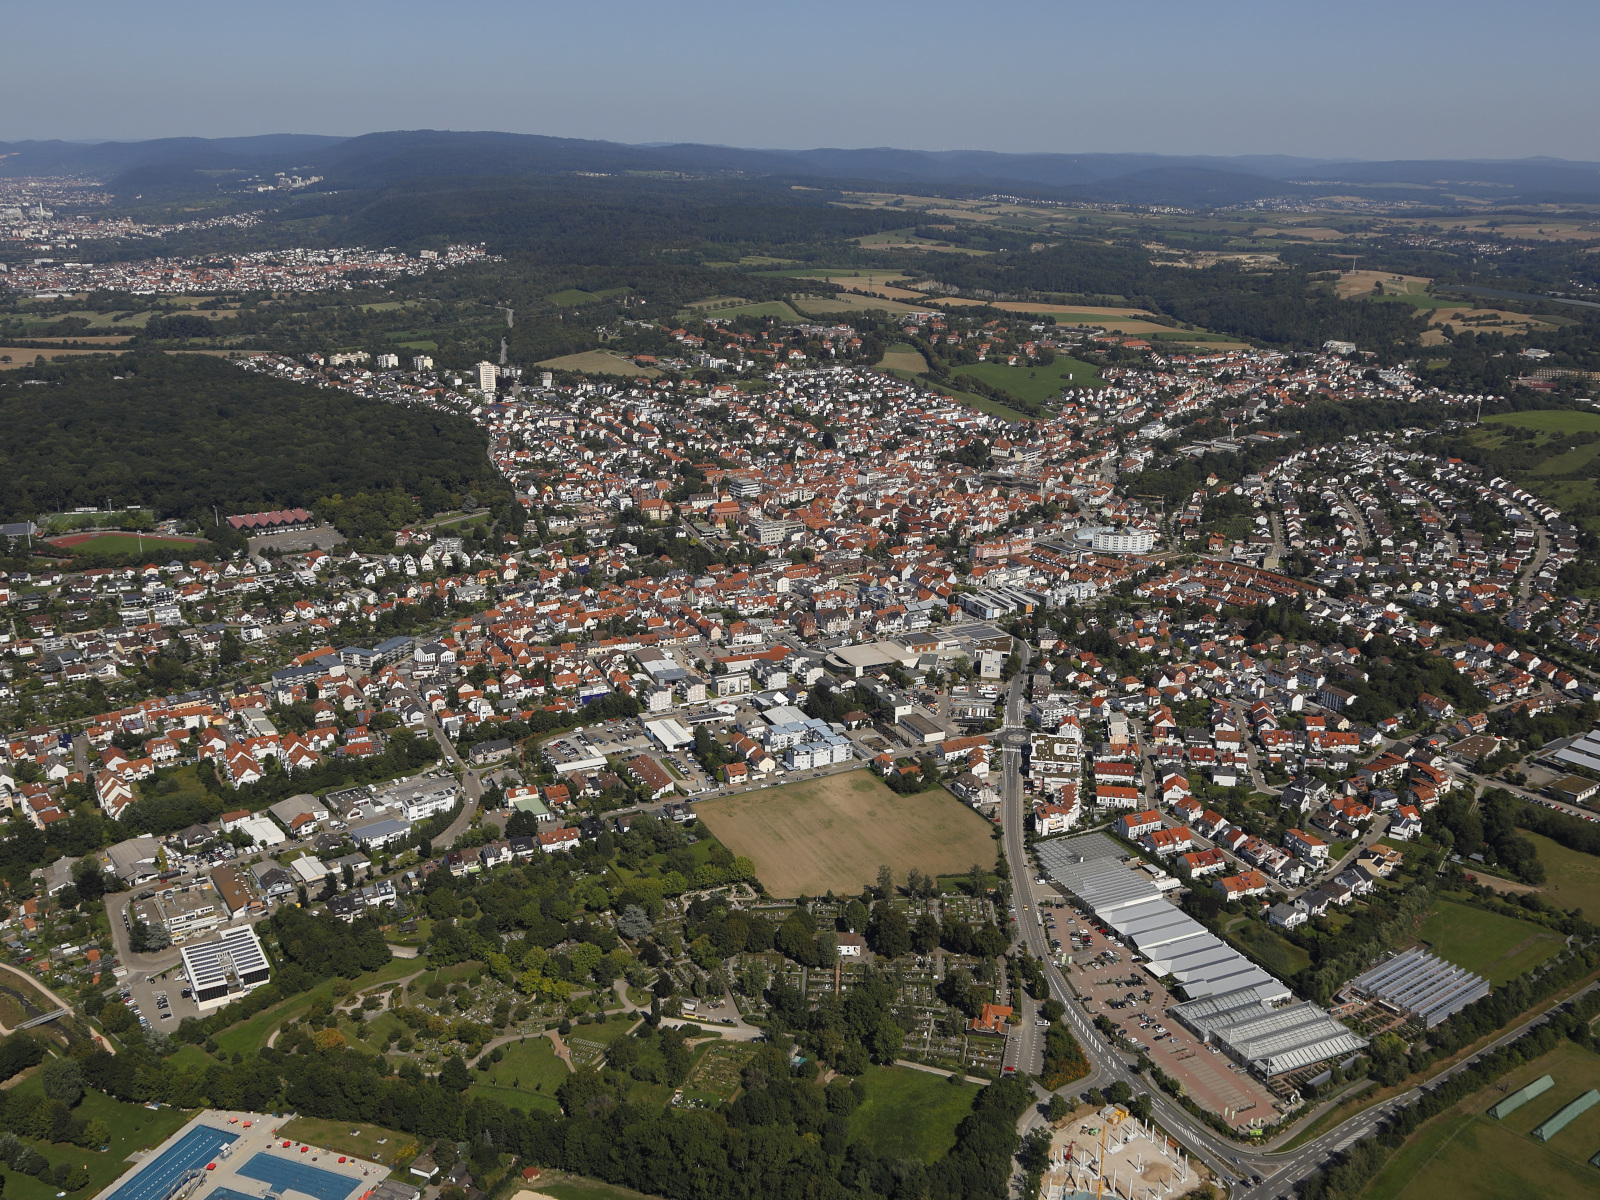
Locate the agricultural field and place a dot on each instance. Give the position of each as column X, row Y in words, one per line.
column 1573, row 878
column 1488, row 944
column 909, row 1113
column 1567, row 474
column 902, row 356
column 1467, row 1155
column 1037, row 385
column 725, row 306
column 1549, row 420
column 834, row 832
column 599, row 362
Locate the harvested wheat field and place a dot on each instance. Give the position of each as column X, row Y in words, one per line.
column 834, row 833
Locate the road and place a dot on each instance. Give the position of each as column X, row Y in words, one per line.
column 1363, row 531
column 1541, row 552
column 1279, row 546
column 471, row 786
column 1280, row 1171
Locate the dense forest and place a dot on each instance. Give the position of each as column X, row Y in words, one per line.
column 180, row 434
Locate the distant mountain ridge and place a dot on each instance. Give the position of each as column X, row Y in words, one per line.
column 376, row 160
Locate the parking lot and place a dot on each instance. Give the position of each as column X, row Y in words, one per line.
column 1118, row 988
column 161, row 1001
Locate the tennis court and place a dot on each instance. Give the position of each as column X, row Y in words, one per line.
column 194, row 1149
column 286, row 1175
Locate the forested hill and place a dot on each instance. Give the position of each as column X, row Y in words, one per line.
column 181, row 433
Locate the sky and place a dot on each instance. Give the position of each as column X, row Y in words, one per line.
column 1397, row 79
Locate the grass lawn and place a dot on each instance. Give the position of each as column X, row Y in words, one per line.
column 133, row 1127
column 188, row 1057
column 529, row 1066
column 910, row 1114
column 1039, row 385
column 569, row 297
column 518, row 1098
column 1283, row 958
column 845, row 302
column 765, row 308
column 378, row 1030
column 1573, row 876
column 905, row 357
column 834, row 832
column 371, row 1142
column 1550, row 420
column 249, row 1036
column 1500, row 948
column 970, row 399
column 1467, row 1155
column 599, row 362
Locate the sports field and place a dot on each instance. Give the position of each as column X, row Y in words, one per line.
column 124, row 543
column 1467, row 1155
column 834, row 832
column 909, row 1113
column 1488, row 944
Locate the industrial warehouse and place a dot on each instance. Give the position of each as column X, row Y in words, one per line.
column 1232, row 1003
column 1270, row 1041
column 1420, row 985
column 1092, row 868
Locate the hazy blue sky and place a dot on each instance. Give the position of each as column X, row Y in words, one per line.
column 1395, row 79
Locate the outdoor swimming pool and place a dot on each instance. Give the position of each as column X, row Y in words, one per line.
column 195, row 1149
column 286, row 1175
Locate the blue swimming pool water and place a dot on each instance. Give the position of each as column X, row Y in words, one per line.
column 286, row 1175
column 194, row 1149
column 223, row 1193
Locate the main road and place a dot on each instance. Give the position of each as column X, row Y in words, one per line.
column 1280, row 1172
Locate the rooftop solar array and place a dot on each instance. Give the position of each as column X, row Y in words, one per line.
column 236, row 953
column 1422, row 984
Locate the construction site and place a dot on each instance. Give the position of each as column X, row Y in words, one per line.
column 1108, row 1152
